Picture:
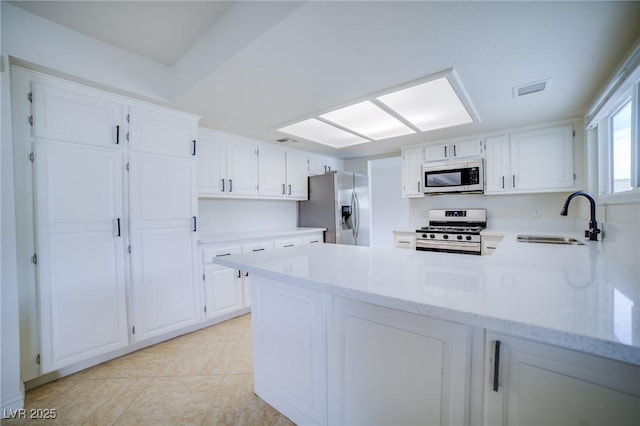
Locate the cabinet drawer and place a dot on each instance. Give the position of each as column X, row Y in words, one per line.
column 208, row 254
column 404, row 240
column 312, row 239
column 260, row 246
column 287, row 243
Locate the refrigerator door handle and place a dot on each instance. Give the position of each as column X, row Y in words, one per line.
column 357, row 215
column 353, row 214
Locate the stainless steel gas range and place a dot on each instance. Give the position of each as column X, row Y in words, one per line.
column 453, row 231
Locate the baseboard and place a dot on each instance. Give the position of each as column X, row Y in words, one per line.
column 12, row 405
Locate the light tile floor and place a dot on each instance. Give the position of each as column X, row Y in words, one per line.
column 202, row 378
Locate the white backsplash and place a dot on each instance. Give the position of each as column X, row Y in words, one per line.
column 539, row 212
column 229, row 215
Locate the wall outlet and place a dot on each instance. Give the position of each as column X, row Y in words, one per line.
column 537, row 212
column 209, row 217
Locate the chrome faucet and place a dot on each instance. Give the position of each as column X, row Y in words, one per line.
column 593, row 231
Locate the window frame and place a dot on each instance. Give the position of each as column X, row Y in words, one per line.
column 605, row 148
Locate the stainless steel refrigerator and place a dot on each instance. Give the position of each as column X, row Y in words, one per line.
column 338, row 201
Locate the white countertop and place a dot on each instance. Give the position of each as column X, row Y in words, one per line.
column 585, row 298
column 237, row 236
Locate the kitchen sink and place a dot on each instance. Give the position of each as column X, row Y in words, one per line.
column 549, row 239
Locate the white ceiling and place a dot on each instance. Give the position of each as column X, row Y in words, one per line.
column 297, row 60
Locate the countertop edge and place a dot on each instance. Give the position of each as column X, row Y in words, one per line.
column 563, row 339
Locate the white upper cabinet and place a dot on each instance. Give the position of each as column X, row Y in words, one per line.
column 282, row 173
column 412, row 159
column 297, row 176
column 542, row 159
column 242, row 167
column 227, row 165
column 470, row 148
column 449, row 151
column 320, row 164
column 496, row 168
column 532, row 161
column 160, row 131
column 272, row 174
column 71, row 113
column 437, row 152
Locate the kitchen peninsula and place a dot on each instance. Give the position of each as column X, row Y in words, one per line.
column 358, row 335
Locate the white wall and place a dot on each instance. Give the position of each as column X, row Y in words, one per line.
column 228, row 215
column 389, row 210
column 47, row 45
column 11, row 390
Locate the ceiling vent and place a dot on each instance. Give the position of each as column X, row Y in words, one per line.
column 529, row 88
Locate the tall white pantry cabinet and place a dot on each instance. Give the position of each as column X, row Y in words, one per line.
column 115, row 213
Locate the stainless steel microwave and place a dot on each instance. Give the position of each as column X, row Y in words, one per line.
column 453, row 176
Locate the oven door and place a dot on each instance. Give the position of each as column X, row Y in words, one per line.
column 465, row 247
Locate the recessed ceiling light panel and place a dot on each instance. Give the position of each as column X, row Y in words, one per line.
column 428, row 106
column 321, row 132
column 369, row 120
column 432, row 103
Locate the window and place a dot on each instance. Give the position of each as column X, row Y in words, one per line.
column 620, row 148
column 618, row 144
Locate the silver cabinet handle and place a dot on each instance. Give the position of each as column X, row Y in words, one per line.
column 230, row 185
column 514, row 180
column 502, row 182
column 454, row 151
column 283, row 189
column 117, row 135
column 289, row 189
column 445, row 150
column 418, row 186
column 222, row 180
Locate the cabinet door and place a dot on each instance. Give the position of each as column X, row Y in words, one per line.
column 437, row 152
column 272, row 172
column 412, row 159
column 73, row 114
column 467, row 149
column 544, row 385
column 289, row 340
column 242, row 168
column 162, row 132
column 212, row 160
column 542, row 159
column 388, row 367
column 166, row 292
column 246, row 289
column 297, row 180
column 223, row 291
column 80, row 252
column 496, row 167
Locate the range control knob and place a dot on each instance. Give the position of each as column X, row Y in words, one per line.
column 445, row 236
column 468, row 237
column 432, row 236
column 424, row 235
column 459, row 237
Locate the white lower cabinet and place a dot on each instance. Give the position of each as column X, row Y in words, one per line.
column 539, row 384
column 223, row 291
column 223, row 295
column 289, row 340
column 391, row 367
